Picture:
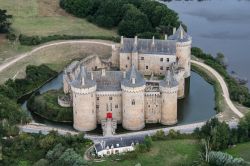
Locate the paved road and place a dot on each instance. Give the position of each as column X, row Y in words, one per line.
column 22, row 56
column 44, row 129
column 223, row 85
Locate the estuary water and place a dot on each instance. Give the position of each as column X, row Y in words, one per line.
column 219, row 26
column 198, row 106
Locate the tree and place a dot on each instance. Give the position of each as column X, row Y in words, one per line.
column 133, row 23
column 4, row 21
column 70, row 157
column 148, row 142
column 218, row 133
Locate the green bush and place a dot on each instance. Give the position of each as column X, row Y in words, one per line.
column 35, row 40
column 35, row 77
column 224, row 159
column 47, row 106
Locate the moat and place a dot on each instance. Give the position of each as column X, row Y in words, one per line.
column 197, row 107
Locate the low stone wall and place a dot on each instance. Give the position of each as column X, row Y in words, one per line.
column 64, row 101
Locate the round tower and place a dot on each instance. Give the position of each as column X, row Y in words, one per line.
column 133, row 87
column 169, row 90
column 84, row 102
column 183, row 54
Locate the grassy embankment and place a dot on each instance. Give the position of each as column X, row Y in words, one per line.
column 45, row 17
column 241, row 150
column 170, row 152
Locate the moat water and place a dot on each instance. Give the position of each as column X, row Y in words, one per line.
column 219, row 26
column 198, row 106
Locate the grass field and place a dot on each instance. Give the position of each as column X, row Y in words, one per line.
column 56, row 57
column 163, row 153
column 42, row 17
column 45, row 17
column 240, row 150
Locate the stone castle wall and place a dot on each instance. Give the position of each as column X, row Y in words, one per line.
column 84, row 109
column 109, row 102
column 152, row 107
column 183, row 52
column 169, row 106
column 133, row 108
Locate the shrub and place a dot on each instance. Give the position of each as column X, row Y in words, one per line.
column 224, row 159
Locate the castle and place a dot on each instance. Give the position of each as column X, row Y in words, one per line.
column 135, row 94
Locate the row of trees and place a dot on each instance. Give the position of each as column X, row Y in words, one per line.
column 51, row 149
column 5, row 21
column 219, row 136
column 239, row 93
column 131, row 17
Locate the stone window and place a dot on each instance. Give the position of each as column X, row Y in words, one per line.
column 110, row 98
column 161, row 59
column 167, row 59
column 97, row 98
column 142, row 58
column 146, row 67
column 161, row 67
column 167, row 68
column 133, row 102
column 126, row 66
column 128, row 57
column 116, row 106
column 97, row 106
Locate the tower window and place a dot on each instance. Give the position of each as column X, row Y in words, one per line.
column 110, row 98
column 161, row 59
column 128, row 57
column 146, row 67
column 142, row 58
column 167, row 59
column 133, row 102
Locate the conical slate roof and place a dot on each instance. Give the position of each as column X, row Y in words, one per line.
column 82, row 81
column 180, row 35
column 169, row 80
column 133, row 75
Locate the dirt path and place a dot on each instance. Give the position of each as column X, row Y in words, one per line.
column 22, row 56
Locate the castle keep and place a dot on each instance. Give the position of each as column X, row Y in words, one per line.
column 135, row 94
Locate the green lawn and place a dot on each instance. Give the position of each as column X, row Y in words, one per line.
column 42, row 18
column 45, row 17
column 241, row 150
column 163, row 153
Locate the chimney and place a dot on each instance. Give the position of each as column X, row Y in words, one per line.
column 166, row 37
column 103, row 72
column 124, row 74
column 122, row 40
column 82, row 81
column 92, row 76
column 181, row 33
column 153, row 41
column 136, row 40
column 174, row 30
column 133, row 80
